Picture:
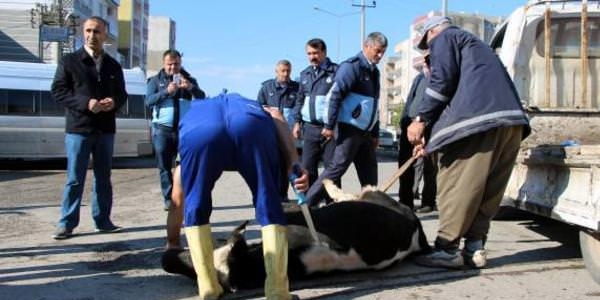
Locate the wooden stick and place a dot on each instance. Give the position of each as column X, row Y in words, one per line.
column 397, row 174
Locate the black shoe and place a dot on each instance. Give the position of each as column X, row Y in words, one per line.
column 62, row 233
column 109, row 229
column 425, row 209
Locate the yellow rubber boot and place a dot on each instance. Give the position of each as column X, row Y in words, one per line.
column 199, row 240
column 275, row 251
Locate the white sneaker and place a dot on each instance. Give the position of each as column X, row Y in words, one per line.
column 441, row 258
column 477, row 260
column 474, row 254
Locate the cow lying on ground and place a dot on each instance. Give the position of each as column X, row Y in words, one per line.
column 370, row 232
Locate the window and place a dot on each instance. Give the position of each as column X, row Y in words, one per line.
column 134, row 108
column 566, row 38
column 17, row 102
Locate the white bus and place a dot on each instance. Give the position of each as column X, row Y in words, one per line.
column 32, row 124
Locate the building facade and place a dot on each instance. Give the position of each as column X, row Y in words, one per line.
column 45, row 30
column 133, row 32
column 161, row 37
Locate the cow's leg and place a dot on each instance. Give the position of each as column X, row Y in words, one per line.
column 201, row 248
column 336, row 193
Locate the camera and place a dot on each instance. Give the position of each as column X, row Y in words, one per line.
column 177, row 79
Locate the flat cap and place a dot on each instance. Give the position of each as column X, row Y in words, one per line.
column 430, row 23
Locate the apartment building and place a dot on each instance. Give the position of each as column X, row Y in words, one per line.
column 133, row 32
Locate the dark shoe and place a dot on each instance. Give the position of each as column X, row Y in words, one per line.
column 425, row 209
column 442, row 259
column 110, row 229
column 62, row 233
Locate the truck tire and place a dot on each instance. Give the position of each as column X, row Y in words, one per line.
column 589, row 242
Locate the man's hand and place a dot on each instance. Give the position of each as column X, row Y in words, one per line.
column 275, row 113
column 185, row 84
column 327, row 133
column 414, row 132
column 172, row 88
column 94, row 106
column 107, row 104
column 419, row 150
column 296, row 130
column 301, row 183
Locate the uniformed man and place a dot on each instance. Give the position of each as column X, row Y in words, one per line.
column 353, row 108
column 311, row 108
column 281, row 92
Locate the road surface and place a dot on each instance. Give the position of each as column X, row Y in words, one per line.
column 529, row 258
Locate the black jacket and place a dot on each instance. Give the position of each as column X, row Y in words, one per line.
column 77, row 81
column 469, row 90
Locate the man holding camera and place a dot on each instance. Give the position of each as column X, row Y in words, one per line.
column 168, row 94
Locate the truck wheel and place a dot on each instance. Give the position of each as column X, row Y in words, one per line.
column 589, row 242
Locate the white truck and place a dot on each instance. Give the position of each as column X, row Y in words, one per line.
column 551, row 50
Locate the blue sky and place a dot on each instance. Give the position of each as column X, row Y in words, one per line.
column 235, row 44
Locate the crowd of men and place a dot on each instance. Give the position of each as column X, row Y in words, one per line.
column 464, row 120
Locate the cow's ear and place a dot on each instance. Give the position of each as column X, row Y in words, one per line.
column 237, row 233
column 237, row 245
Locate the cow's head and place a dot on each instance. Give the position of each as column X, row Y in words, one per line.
column 238, row 264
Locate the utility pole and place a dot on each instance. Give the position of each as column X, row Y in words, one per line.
column 363, row 7
column 444, row 8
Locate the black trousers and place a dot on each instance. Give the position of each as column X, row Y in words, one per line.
column 406, row 193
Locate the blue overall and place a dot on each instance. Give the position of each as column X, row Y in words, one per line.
column 229, row 133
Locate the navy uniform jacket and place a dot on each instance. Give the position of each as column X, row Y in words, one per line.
column 469, row 90
column 283, row 97
column 77, row 81
column 355, row 76
column 276, row 95
column 311, row 106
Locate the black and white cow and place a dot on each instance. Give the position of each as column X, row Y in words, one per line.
column 370, row 232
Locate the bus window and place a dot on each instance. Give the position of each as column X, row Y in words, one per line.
column 566, row 38
column 3, row 102
column 134, row 108
column 18, row 102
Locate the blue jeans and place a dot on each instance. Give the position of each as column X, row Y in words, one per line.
column 78, row 148
column 165, row 149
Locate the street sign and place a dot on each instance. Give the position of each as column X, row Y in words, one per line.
column 54, row 34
